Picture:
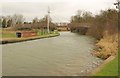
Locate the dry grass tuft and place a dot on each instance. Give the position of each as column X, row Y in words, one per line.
column 107, row 46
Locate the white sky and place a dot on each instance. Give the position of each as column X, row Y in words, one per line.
column 61, row 10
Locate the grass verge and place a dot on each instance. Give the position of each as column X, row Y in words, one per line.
column 110, row 69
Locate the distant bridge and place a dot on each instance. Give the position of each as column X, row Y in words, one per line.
column 81, row 28
column 73, row 27
column 63, row 27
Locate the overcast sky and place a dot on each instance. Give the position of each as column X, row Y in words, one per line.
column 61, row 10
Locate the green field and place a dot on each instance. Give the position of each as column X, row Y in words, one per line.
column 8, row 35
column 110, row 69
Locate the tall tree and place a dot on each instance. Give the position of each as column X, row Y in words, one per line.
column 0, row 21
column 9, row 23
column 4, row 23
column 35, row 20
column 17, row 19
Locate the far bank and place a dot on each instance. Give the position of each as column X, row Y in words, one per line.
column 20, row 36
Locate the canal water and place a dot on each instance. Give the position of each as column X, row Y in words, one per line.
column 66, row 55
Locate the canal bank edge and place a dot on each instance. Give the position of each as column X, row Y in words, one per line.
column 15, row 40
column 96, row 70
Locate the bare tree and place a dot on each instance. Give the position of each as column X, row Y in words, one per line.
column 0, row 21
column 17, row 19
column 4, row 23
column 35, row 20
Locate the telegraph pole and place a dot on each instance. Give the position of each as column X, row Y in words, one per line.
column 117, row 4
column 48, row 21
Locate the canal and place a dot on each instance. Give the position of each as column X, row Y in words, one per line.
column 66, row 55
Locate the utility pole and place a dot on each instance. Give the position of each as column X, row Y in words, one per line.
column 117, row 4
column 48, row 20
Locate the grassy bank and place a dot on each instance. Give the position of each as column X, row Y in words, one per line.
column 107, row 47
column 8, row 35
column 109, row 69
